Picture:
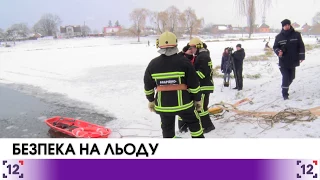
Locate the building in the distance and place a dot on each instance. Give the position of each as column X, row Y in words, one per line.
column 296, row 26
column 255, row 29
column 113, row 30
column 264, row 28
column 315, row 30
column 305, row 28
column 69, row 31
column 222, row 29
column 35, row 36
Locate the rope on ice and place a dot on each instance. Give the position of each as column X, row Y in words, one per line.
column 265, row 120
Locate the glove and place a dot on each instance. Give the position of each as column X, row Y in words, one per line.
column 151, row 106
column 198, row 105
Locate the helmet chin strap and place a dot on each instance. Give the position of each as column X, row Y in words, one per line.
column 169, row 51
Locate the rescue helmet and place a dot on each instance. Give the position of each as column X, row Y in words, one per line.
column 167, row 40
column 196, row 42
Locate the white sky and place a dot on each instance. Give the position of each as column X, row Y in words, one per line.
column 224, row 11
column 97, row 13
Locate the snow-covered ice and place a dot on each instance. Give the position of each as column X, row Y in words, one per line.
column 108, row 74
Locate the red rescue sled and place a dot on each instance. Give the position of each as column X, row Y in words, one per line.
column 77, row 128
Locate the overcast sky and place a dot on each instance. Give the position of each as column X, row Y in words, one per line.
column 97, row 13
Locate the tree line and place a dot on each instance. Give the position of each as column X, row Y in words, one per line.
column 251, row 8
column 47, row 25
column 171, row 19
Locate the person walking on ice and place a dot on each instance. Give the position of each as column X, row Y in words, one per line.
column 290, row 49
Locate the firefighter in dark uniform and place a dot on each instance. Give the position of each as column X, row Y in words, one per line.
column 186, row 52
column 290, row 49
column 203, row 67
column 172, row 88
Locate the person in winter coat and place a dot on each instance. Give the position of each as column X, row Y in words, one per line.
column 226, row 67
column 290, row 49
column 238, row 57
column 203, row 67
column 172, row 88
column 186, row 52
column 206, row 47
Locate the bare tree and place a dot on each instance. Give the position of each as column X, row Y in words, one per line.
column 181, row 27
column 266, row 4
column 193, row 24
column 252, row 14
column 248, row 9
column 21, row 30
column 1, row 34
column 316, row 19
column 173, row 18
column 110, row 23
column 47, row 25
column 10, row 35
column 154, row 20
column 138, row 17
column 85, row 30
column 16, row 31
column 175, row 21
column 160, row 19
column 316, row 24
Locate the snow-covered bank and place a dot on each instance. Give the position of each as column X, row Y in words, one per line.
column 108, row 74
column 266, row 95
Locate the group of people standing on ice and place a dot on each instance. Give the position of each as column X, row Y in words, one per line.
column 180, row 83
column 233, row 62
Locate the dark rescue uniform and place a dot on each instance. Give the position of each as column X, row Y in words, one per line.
column 292, row 46
column 175, row 70
column 203, row 66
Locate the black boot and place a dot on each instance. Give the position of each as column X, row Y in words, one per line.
column 285, row 93
column 184, row 129
column 208, row 129
column 201, row 136
column 235, row 88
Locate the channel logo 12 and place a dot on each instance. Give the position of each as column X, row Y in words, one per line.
column 12, row 169
column 308, row 169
